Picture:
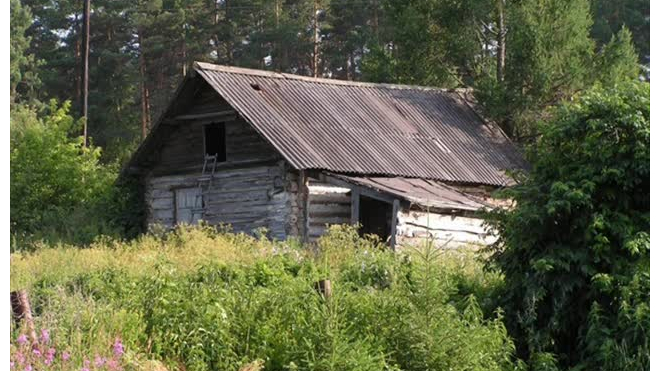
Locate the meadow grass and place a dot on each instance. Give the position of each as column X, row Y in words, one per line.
column 198, row 299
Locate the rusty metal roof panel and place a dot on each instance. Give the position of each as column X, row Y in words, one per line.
column 368, row 129
column 421, row 192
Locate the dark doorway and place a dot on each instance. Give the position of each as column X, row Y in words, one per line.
column 375, row 217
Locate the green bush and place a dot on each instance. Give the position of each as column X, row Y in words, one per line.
column 575, row 250
column 59, row 189
column 217, row 301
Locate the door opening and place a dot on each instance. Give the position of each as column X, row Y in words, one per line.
column 375, row 217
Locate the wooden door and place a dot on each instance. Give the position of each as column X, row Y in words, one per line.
column 186, row 199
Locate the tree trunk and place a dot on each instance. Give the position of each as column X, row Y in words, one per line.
column 20, row 306
column 85, row 67
column 315, row 54
column 275, row 51
column 78, row 78
column 230, row 43
column 146, row 114
column 501, row 41
column 216, row 38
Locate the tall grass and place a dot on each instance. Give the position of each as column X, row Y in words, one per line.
column 200, row 300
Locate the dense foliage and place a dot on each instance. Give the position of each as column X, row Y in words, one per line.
column 210, row 301
column 575, row 250
column 59, row 189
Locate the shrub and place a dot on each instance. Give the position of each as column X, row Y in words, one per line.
column 56, row 183
column 575, row 249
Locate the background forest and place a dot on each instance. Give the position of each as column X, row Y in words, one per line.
column 528, row 55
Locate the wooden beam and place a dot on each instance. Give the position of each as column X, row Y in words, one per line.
column 220, row 116
column 196, row 169
column 364, row 191
column 395, row 212
column 303, row 188
column 355, row 206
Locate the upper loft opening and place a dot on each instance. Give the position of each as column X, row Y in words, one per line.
column 215, row 141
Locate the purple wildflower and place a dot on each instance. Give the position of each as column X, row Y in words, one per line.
column 28, row 368
column 36, row 352
column 50, row 356
column 113, row 365
column 12, row 365
column 85, row 365
column 45, row 336
column 22, row 339
column 98, row 361
column 118, row 348
column 66, row 356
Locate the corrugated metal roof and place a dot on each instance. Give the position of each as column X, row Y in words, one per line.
column 421, row 192
column 369, row 129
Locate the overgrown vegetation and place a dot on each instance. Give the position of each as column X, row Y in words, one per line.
column 218, row 301
column 60, row 191
column 575, row 250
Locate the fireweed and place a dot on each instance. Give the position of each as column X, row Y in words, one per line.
column 42, row 354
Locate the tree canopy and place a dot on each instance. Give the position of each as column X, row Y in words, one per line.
column 521, row 57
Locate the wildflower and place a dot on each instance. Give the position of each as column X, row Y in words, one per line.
column 66, row 356
column 85, row 365
column 50, row 356
column 98, row 361
column 113, row 365
column 12, row 365
column 20, row 358
column 118, row 348
column 22, row 339
column 36, row 352
column 45, row 336
column 28, row 368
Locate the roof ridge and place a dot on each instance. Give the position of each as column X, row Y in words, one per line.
column 318, row 80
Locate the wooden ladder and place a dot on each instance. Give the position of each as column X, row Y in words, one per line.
column 204, row 184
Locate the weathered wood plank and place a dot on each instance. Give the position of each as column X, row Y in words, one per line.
column 394, row 223
column 355, row 207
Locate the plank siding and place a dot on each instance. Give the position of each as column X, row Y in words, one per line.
column 183, row 149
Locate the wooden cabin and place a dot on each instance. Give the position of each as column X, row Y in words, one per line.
column 292, row 154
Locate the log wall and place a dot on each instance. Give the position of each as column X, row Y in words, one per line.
column 415, row 227
column 246, row 198
column 327, row 205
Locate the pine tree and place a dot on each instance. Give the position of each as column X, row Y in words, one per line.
column 617, row 61
column 611, row 15
column 549, row 58
column 23, row 65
